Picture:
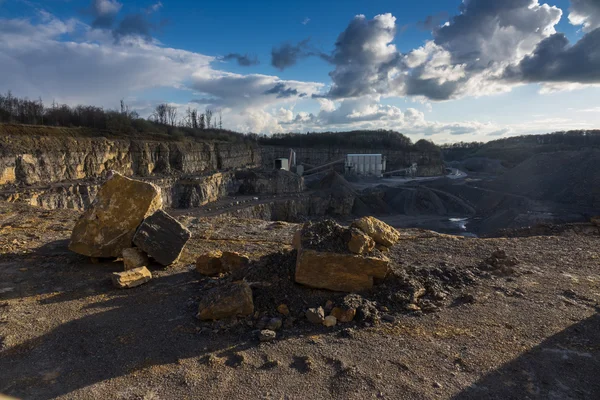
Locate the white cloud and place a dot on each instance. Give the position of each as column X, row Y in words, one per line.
column 586, row 13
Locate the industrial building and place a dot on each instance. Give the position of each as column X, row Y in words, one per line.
column 365, row 165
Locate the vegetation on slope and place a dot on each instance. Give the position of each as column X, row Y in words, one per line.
column 367, row 139
column 514, row 150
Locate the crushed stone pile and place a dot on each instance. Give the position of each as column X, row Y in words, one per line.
column 281, row 304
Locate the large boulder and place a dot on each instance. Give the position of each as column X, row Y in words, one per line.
column 327, row 258
column 342, row 272
column 230, row 300
column 162, row 237
column 379, row 231
column 108, row 226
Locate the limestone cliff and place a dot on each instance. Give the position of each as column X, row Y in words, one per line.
column 46, row 155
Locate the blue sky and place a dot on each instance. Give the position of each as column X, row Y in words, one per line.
column 389, row 71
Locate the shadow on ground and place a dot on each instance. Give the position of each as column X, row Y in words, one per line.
column 564, row 366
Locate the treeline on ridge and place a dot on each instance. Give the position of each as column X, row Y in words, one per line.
column 364, row 139
column 516, row 149
column 164, row 122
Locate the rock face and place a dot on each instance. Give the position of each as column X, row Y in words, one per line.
column 108, row 227
column 269, row 182
column 230, row 300
column 339, row 272
column 134, row 258
column 42, row 154
column 132, row 278
column 162, row 237
column 379, row 231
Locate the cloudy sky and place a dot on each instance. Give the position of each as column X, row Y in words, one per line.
column 445, row 70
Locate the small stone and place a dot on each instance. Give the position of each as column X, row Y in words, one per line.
column 162, row 237
column 274, row 324
column 360, row 243
column 267, row 335
column 348, row 333
column 344, row 314
column 382, row 248
column 437, row 385
column 210, row 264
column 132, row 278
column 315, row 315
column 283, row 309
column 134, row 258
column 226, row 301
column 233, row 261
column 297, row 239
column 379, row 231
column 289, row 322
column 328, row 305
column 388, row 318
column 330, row 321
column 413, row 307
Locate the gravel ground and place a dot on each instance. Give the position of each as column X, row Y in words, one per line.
column 65, row 332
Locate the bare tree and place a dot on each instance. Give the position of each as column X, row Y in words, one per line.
column 172, row 115
column 208, row 118
column 160, row 114
column 220, row 120
column 201, row 122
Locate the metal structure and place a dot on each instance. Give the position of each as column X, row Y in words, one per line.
column 409, row 172
column 365, row 164
column 282, row 163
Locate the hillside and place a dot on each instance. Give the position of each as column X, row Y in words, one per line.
column 567, row 177
column 514, row 150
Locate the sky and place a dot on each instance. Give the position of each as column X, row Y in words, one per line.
column 444, row 70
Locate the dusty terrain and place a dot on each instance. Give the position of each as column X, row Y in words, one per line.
column 65, row 332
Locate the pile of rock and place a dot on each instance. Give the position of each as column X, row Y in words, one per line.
column 329, row 256
column 343, row 259
column 126, row 221
column 499, row 263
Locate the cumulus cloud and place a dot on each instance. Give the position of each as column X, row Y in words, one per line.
column 364, row 57
column 554, row 60
column 243, row 60
column 134, row 25
column 282, row 91
column 586, row 13
column 432, row 21
column 104, row 12
column 489, row 47
column 288, row 54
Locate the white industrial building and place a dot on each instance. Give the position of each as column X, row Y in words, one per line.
column 365, row 164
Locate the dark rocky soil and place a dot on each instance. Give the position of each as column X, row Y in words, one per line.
column 481, row 332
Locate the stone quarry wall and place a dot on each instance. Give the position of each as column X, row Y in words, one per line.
column 43, row 159
column 429, row 163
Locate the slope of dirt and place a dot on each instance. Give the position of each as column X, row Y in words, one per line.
column 569, row 177
column 66, row 333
